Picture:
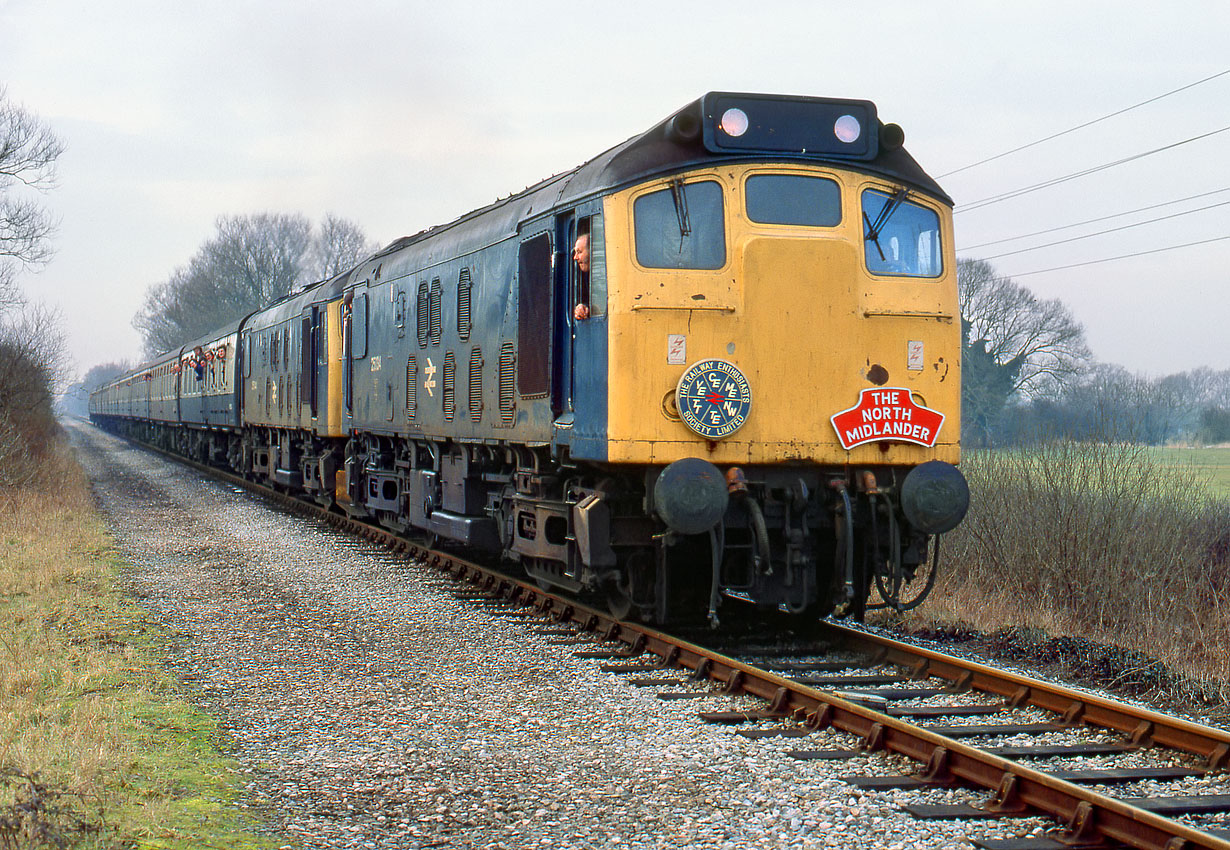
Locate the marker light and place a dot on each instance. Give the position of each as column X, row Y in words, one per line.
column 847, row 129
column 734, row 122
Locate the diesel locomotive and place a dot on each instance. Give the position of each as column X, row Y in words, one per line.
column 717, row 364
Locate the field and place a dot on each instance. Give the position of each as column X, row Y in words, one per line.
column 98, row 746
column 1211, row 464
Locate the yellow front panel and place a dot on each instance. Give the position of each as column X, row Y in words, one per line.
column 795, row 310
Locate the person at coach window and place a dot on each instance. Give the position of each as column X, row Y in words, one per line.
column 198, row 362
column 580, row 256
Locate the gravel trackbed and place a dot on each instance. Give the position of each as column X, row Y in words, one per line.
column 369, row 708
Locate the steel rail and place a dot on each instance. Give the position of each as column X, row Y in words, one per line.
column 1017, row 790
column 1142, row 725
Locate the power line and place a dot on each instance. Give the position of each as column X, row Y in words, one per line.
column 1095, row 220
column 1082, row 126
column 1104, row 232
column 1121, row 257
column 1015, row 193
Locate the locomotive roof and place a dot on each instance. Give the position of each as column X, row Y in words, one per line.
column 665, row 149
column 684, row 140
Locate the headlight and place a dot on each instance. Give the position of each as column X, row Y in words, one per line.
column 734, row 122
column 847, row 129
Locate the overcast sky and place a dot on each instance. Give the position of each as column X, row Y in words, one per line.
column 400, row 115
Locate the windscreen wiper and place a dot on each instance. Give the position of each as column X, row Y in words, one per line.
column 875, row 228
column 681, row 208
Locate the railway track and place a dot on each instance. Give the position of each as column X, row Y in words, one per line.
column 941, row 712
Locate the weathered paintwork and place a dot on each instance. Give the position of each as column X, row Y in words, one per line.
column 798, row 313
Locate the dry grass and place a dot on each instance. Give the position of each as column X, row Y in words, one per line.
column 85, row 711
column 1097, row 541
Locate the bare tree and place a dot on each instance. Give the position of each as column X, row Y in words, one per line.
column 249, row 262
column 339, row 245
column 103, row 373
column 28, row 154
column 1013, row 345
column 1039, row 339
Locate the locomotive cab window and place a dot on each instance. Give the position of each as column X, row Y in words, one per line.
column 681, row 227
column 793, row 199
column 597, row 266
column 589, row 265
column 900, row 238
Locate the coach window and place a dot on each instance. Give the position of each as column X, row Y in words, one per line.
column 793, row 199
column 681, row 227
column 900, row 238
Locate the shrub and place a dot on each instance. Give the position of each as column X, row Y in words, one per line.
column 32, row 365
column 1096, row 540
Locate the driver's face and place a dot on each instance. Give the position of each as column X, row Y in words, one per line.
column 580, row 252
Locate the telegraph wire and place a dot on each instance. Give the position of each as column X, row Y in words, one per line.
column 1120, row 257
column 1082, row 126
column 1104, row 232
column 1096, row 220
column 1015, row 193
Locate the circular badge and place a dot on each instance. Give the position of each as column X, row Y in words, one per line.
column 713, row 398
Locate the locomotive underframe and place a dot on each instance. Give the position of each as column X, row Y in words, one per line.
column 806, row 540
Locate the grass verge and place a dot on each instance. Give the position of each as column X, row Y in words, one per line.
column 98, row 748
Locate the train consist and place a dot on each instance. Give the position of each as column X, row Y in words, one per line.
column 719, row 362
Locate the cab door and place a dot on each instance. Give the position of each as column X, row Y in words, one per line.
column 584, row 300
column 565, row 283
column 309, row 358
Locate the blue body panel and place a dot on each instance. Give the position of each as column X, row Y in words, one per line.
column 589, row 390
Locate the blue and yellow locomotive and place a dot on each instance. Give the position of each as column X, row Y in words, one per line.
column 719, row 361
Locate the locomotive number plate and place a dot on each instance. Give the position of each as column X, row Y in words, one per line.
column 713, row 398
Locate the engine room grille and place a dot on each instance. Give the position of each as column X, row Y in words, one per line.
column 476, row 384
column 436, row 293
column 508, row 374
column 450, row 386
column 463, row 305
column 412, row 386
column 422, row 315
